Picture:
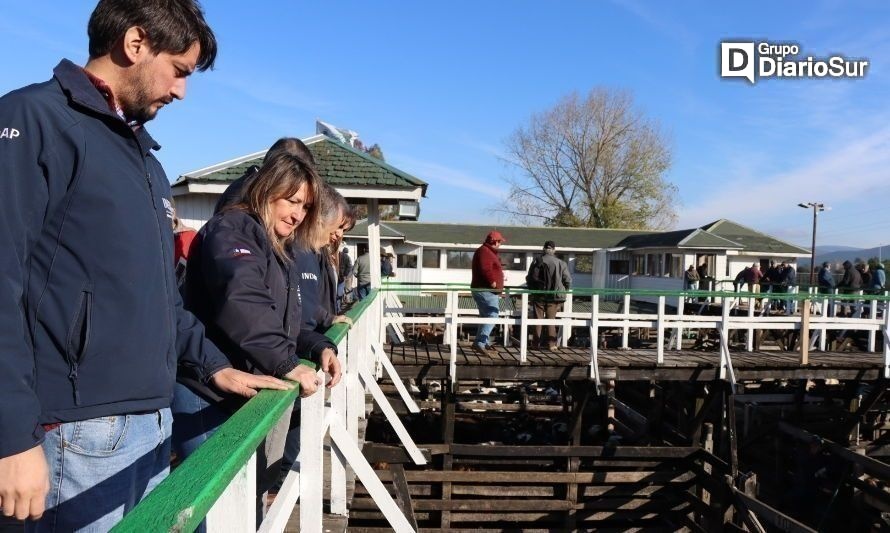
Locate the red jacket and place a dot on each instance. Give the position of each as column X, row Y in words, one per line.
column 487, row 269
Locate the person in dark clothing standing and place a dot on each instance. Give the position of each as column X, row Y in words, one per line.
column 554, row 275
column 488, row 282
column 90, row 316
column 825, row 278
column 850, row 283
column 240, row 283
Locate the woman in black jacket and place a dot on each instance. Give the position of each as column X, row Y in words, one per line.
column 241, row 283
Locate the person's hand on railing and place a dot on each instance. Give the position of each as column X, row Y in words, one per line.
column 307, row 377
column 24, row 482
column 342, row 319
column 243, row 384
column 331, row 365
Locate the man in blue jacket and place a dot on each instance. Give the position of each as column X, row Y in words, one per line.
column 91, row 322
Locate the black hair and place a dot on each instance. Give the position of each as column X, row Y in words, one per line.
column 290, row 145
column 172, row 26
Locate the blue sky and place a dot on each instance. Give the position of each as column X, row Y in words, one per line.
column 440, row 86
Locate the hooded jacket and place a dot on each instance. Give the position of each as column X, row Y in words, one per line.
column 91, row 322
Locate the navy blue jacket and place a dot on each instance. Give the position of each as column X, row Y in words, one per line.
column 248, row 299
column 318, row 311
column 91, row 322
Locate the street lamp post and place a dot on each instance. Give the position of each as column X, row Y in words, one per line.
column 816, row 207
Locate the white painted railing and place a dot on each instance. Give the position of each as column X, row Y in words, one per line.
column 218, row 481
column 742, row 311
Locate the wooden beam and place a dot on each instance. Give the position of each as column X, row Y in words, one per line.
column 403, row 495
column 770, row 515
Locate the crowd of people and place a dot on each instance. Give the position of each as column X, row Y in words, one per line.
column 127, row 337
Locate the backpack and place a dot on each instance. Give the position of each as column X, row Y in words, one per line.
column 536, row 278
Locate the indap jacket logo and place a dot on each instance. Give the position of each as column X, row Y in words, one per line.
column 9, row 133
column 757, row 60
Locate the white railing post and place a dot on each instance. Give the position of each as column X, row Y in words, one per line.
column 523, row 329
column 312, row 432
column 451, row 318
column 235, row 509
column 625, row 334
column 339, row 407
column 749, row 343
column 886, row 339
column 873, row 316
column 594, row 340
column 681, row 312
column 659, row 350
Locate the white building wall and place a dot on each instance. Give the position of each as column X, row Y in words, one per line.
column 195, row 209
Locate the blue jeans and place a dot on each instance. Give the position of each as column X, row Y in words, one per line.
column 194, row 420
column 100, row 468
column 362, row 290
column 487, row 302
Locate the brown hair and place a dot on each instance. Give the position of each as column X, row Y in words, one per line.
column 280, row 177
column 172, row 26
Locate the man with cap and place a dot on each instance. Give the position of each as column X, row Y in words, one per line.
column 548, row 273
column 487, row 283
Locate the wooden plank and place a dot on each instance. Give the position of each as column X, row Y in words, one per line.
column 403, row 495
column 654, row 477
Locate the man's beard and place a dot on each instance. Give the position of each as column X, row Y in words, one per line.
column 136, row 106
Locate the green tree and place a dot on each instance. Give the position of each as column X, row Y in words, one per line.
column 593, row 161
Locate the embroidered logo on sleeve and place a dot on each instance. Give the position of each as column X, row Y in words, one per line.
column 9, row 133
column 168, row 206
column 239, row 252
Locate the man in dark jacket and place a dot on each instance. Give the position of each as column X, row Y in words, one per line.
column 487, row 282
column 555, row 275
column 826, row 279
column 91, row 322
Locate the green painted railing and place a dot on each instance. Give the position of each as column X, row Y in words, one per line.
column 182, row 500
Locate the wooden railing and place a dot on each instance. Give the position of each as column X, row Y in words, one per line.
column 811, row 313
column 218, row 481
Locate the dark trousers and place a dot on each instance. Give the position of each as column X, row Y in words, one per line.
column 545, row 310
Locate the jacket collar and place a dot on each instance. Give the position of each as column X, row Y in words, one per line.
column 80, row 90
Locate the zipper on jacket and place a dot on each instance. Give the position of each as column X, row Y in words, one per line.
column 80, row 330
column 171, row 318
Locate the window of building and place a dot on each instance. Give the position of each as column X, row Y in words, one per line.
column 674, row 264
column 431, row 258
column 459, row 259
column 639, row 265
column 406, row 261
column 619, row 267
column 583, row 263
column 654, row 265
column 512, row 260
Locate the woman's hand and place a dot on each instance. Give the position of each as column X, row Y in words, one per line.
column 331, row 365
column 244, row 384
column 342, row 319
column 306, row 377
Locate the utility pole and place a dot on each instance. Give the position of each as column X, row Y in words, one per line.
column 816, row 206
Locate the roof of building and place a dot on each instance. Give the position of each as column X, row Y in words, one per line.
column 522, row 236
column 751, row 240
column 722, row 235
column 338, row 163
column 684, row 238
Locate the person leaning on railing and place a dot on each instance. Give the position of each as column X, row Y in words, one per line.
column 240, row 282
column 91, row 321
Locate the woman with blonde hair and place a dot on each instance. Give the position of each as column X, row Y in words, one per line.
column 241, row 282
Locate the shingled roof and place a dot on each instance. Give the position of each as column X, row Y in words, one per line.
column 720, row 235
column 522, row 236
column 339, row 164
column 751, row 240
